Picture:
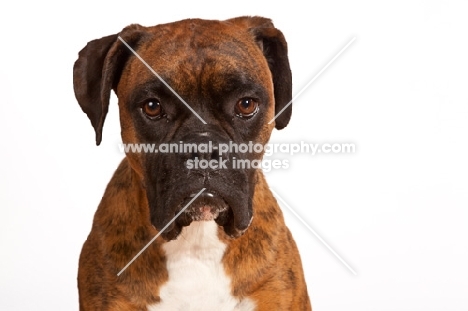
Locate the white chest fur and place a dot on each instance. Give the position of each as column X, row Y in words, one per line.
column 197, row 280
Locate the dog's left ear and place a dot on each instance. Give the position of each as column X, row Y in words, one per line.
column 273, row 44
column 96, row 73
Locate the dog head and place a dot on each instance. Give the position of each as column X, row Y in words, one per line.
column 210, row 83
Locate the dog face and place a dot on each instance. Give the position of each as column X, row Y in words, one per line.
column 234, row 74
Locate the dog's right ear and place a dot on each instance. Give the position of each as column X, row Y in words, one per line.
column 96, row 73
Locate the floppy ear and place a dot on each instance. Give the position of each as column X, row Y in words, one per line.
column 96, row 72
column 273, row 44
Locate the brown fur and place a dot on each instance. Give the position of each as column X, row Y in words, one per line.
column 264, row 263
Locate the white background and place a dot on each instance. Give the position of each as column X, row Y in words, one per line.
column 396, row 210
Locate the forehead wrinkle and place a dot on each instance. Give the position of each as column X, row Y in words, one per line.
column 198, row 57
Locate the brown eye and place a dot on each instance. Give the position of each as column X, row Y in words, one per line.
column 152, row 108
column 246, row 107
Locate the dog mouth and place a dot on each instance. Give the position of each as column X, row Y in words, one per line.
column 206, row 206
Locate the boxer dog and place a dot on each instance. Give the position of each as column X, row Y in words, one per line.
column 230, row 249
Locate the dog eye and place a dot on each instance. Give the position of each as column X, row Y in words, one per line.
column 152, row 108
column 246, row 107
